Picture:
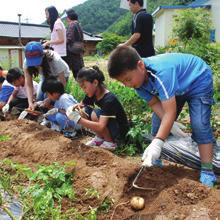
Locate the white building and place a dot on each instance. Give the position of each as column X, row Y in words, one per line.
column 163, row 16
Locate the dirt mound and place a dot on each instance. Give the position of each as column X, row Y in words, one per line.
column 173, row 191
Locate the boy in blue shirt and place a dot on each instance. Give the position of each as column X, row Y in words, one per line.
column 55, row 92
column 6, row 88
column 166, row 82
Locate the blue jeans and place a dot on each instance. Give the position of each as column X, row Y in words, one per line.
column 62, row 120
column 200, row 114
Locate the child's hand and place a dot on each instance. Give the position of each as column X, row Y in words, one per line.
column 152, row 152
column 5, row 108
column 73, row 115
column 47, row 103
column 31, row 107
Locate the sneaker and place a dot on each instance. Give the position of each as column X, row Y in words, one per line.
column 55, row 127
column 69, row 134
column 158, row 163
column 46, row 123
column 108, row 145
column 207, row 178
column 96, row 141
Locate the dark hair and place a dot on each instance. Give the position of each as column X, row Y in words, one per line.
column 52, row 85
column 140, row 2
column 90, row 74
column 121, row 59
column 2, row 79
column 71, row 14
column 47, row 57
column 14, row 74
column 53, row 15
column 1, row 68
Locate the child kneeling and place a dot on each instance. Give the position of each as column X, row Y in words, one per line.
column 109, row 122
column 57, row 115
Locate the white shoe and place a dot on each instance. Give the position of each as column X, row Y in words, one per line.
column 55, row 127
column 108, row 145
column 96, row 141
column 45, row 122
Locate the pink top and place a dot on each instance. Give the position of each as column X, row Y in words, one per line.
column 59, row 48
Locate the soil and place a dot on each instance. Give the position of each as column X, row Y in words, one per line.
column 173, row 191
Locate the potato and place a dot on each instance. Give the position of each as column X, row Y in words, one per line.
column 137, row 202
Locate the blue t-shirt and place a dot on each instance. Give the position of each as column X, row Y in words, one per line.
column 6, row 91
column 65, row 101
column 175, row 74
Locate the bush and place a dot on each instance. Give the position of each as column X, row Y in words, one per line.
column 192, row 24
column 109, row 42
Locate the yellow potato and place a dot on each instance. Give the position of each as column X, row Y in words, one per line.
column 137, row 202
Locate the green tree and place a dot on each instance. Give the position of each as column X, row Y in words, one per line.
column 96, row 16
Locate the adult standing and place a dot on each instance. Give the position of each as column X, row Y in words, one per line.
column 74, row 34
column 58, row 32
column 141, row 29
column 45, row 63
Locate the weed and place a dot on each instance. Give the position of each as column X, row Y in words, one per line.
column 106, row 205
column 92, row 193
column 5, row 138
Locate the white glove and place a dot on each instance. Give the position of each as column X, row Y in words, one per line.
column 176, row 130
column 5, row 109
column 51, row 112
column 73, row 115
column 152, row 152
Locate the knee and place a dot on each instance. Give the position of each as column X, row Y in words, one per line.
column 60, row 117
column 94, row 116
column 202, row 133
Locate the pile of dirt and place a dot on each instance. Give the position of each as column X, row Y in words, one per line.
column 173, row 191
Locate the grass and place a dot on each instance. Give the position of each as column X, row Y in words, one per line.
column 4, row 138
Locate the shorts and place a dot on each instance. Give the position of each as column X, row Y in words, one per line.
column 112, row 125
column 200, row 114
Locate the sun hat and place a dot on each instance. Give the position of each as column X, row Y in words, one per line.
column 33, row 53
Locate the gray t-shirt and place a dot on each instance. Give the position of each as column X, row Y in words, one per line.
column 57, row 65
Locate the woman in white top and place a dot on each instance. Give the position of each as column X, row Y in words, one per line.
column 44, row 63
column 58, row 31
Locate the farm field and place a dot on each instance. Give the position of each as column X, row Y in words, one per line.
column 174, row 191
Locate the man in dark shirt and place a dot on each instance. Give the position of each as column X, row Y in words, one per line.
column 142, row 27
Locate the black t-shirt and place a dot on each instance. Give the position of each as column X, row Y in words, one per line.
column 111, row 106
column 143, row 23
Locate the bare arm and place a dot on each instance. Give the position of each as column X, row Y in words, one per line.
column 29, row 87
column 133, row 39
column 98, row 126
column 166, row 111
column 12, row 96
column 60, row 39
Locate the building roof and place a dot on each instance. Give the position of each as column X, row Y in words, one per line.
column 203, row 4
column 199, row 3
column 11, row 29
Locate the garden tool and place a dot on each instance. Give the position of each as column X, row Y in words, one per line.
column 134, row 185
column 27, row 111
column 23, row 114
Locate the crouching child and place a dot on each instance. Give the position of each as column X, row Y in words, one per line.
column 57, row 115
column 108, row 119
column 18, row 98
column 167, row 82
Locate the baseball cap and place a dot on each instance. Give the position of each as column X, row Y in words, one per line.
column 33, row 53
